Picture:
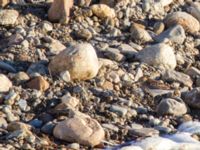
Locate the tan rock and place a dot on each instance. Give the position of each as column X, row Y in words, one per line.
column 187, row 21
column 5, row 83
column 8, row 17
column 38, row 83
column 139, row 33
column 60, row 11
column 3, row 3
column 80, row 60
column 103, row 11
column 81, row 129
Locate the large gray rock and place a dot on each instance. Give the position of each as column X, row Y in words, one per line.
column 194, row 10
column 175, row 34
column 158, row 55
column 5, row 83
column 80, row 129
column 171, row 106
column 80, row 60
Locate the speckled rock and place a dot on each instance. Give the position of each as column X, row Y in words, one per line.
column 8, row 17
column 187, row 21
column 80, row 60
column 81, row 129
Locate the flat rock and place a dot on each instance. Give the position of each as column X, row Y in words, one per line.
column 158, row 55
column 80, row 129
column 6, row 84
column 8, row 17
column 175, row 34
column 187, row 21
column 171, row 106
column 80, row 60
column 175, row 76
column 192, row 98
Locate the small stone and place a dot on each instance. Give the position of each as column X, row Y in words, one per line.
column 84, row 34
column 46, row 26
column 65, row 76
column 143, row 132
column 8, row 17
column 70, row 101
column 80, row 60
column 11, row 98
column 194, row 10
column 103, row 11
column 55, row 47
column 193, row 72
column 175, row 76
column 22, row 104
column 187, row 21
column 3, row 3
column 36, row 123
column 6, row 84
column 192, row 97
column 15, row 39
column 80, row 129
column 139, row 34
column 38, row 83
column 21, row 77
column 171, row 106
column 114, row 54
column 74, row 146
column 3, row 123
column 60, row 11
column 159, row 55
column 175, row 34
column 159, row 27
column 48, row 128
column 121, row 111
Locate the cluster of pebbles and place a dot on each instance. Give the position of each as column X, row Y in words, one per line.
column 119, row 71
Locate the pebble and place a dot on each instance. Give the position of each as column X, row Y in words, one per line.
column 175, row 34
column 159, row 55
column 192, row 97
column 80, row 129
column 114, row 54
column 140, row 34
column 6, row 84
column 80, row 60
column 103, row 11
column 36, row 123
column 175, row 76
column 187, row 21
column 8, row 17
column 48, row 128
column 193, row 72
column 55, row 47
column 194, row 10
column 21, row 77
column 65, row 76
column 38, row 83
column 3, row 123
column 121, row 111
column 3, row 3
column 171, row 106
column 143, row 132
column 23, row 104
